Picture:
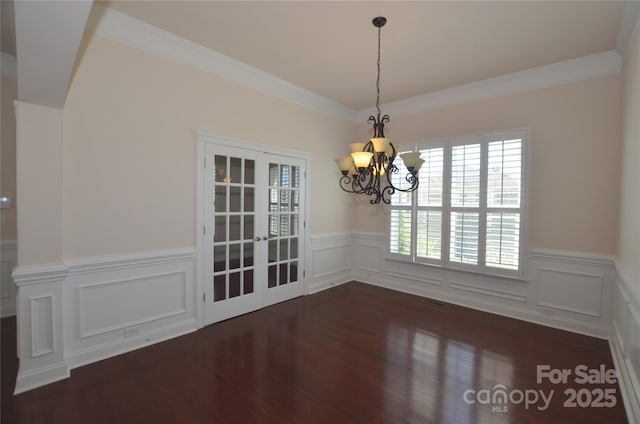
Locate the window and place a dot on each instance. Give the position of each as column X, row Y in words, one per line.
column 468, row 212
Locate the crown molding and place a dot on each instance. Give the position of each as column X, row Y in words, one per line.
column 137, row 34
column 569, row 71
column 8, row 66
column 124, row 29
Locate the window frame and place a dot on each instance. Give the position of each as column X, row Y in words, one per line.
column 483, row 209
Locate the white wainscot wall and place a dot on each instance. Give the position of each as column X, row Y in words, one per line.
column 116, row 304
column 566, row 290
column 85, row 310
column 8, row 291
column 625, row 339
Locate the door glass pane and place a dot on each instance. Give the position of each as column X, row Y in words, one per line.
column 219, row 288
column 248, row 282
column 295, row 176
column 273, row 225
column 221, row 169
column 220, row 228
column 249, row 171
column 284, row 249
column 221, row 199
column 284, row 225
column 284, row 274
column 285, row 176
column 294, row 248
column 248, row 199
column 248, row 254
column 273, row 250
column 294, row 271
column 273, row 200
column 219, row 258
column 284, row 200
column 295, row 203
column 248, row 227
column 234, row 227
column 294, row 225
column 272, row 276
column 234, row 256
column 236, row 170
column 234, row 284
column 234, row 199
column 273, row 174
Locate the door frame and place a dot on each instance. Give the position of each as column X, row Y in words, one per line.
column 204, row 138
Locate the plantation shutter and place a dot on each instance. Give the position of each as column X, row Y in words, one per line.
column 468, row 212
column 401, row 214
column 504, row 192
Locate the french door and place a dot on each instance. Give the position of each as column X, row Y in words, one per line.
column 254, row 230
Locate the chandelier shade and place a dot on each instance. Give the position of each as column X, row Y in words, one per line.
column 370, row 169
column 362, row 159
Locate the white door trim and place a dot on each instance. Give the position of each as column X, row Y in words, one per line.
column 202, row 139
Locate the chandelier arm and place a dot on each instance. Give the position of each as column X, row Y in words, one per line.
column 411, row 178
column 386, row 194
column 345, row 182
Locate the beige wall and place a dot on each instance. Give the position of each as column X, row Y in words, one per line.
column 8, row 93
column 39, row 183
column 130, row 149
column 576, row 157
column 629, row 248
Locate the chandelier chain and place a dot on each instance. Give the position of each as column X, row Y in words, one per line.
column 378, row 79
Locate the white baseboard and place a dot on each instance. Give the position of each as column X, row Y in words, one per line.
column 41, row 376
column 118, row 347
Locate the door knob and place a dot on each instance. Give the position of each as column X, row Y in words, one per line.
column 264, row 238
column 257, row 238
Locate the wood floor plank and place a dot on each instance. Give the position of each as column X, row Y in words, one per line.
column 352, row 354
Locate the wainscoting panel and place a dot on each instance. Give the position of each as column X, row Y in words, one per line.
column 42, row 338
column 116, row 304
column 8, row 291
column 140, row 300
column 330, row 261
column 625, row 340
column 557, row 289
column 566, row 290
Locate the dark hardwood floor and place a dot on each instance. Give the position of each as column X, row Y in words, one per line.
column 352, row 354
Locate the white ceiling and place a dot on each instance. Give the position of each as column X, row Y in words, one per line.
column 329, row 47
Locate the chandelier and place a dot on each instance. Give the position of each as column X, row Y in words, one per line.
column 370, row 167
